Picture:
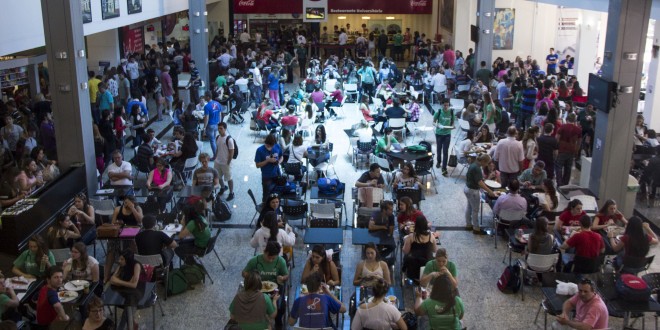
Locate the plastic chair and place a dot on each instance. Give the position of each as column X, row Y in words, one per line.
column 351, row 89
column 398, row 125
column 443, row 91
column 210, row 247
column 360, row 206
column 505, row 217
column 415, row 94
column 537, row 264
column 323, row 167
column 140, row 166
column 456, row 104
column 386, row 167
column 363, row 149
column 188, row 167
column 322, row 215
column 294, row 209
column 634, row 265
column 156, row 260
column 424, row 168
column 257, row 207
column 261, row 127
column 461, row 161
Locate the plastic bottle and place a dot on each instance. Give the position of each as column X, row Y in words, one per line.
column 363, row 297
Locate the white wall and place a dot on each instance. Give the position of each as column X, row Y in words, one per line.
column 465, row 16
column 102, row 46
column 22, row 22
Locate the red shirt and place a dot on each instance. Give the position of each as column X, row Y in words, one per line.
column 366, row 115
column 290, row 121
column 46, row 314
column 402, row 218
column 625, row 241
column 568, row 219
column 569, row 134
column 587, row 244
column 265, row 116
column 603, row 218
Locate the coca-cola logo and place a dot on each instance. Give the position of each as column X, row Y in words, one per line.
column 418, row 3
column 246, row 3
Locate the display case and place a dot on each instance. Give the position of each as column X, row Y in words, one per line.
column 13, row 77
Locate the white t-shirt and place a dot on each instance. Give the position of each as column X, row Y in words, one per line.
column 365, row 135
column 133, row 70
column 82, row 274
column 223, row 149
column 463, row 146
column 124, row 167
column 297, row 153
column 381, row 316
column 439, row 82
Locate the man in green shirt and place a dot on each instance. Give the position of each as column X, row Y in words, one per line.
column 474, row 181
column 386, row 142
column 397, row 42
column 220, row 80
column 8, row 297
column 484, row 74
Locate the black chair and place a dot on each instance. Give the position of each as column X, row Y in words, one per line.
column 257, row 207
column 635, row 265
column 414, row 194
column 210, row 247
column 424, row 167
column 297, row 170
column 364, row 149
column 261, row 127
column 294, row 209
column 583, row 265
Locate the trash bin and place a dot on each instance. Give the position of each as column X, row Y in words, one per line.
column 631, row 196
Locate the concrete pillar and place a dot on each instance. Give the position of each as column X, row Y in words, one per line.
column 485, row 19
column 33, row 75
column 67, row 65
column 103, row 47
column 652, row 98
column 627, row 27
column 199, row 43
column 587, row 45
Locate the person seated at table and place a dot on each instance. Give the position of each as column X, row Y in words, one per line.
column 33, row 262
column 81, row 266
column 272, row 204
column 298, row 151
column 484, row 135
column 588, row 244
column 320, row 140
column 125, row 277
column 532, row 178
column 609, row 215
column 160, row 182
column 128, row 214
column 290, row 120
column 81, row 211
column 97, row 319
column 151, row 242
column 195, row 226
column 634, row 242
column 63, row 234
column 334, row 100
column 205, row 175
column 406, row 178
column 407, row 213
column 371, row 178
column 550, row 200
column 571, row 215
column 371, row 266
column 490, row 172
column 511, row 201
column 384, row 90
column 378, row 314
column 271, row 267
column 314, row 308
column 442, row 300
column 540, row 241
column 471, row 116
column 9, row 191
column 386, row 143
column 270, row 231
column 188, row 150
column 367, row 114
column 418, row 248
column 251, row 308
column 319, row 264
column 383, row 221
column 364, row 133
column 267, row 115
column 120, row 172
column 8, row 301
column 49, row 307
column 438, row 266
column 464, row 148
column 30, row 178
column 285, row 140
column 590, row 309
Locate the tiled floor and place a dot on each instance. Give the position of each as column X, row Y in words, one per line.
column 479, row 264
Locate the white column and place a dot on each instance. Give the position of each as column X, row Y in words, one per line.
column 103, row 47
column 464, row 13
column 653, row 83
column 587, row 45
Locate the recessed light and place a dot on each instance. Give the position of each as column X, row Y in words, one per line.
column 389, row 17
column 341, row 17
column 366, row 17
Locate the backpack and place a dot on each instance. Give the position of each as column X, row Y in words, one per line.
column 497, row 115
column 330, row 186
column 235, row 146
column 632, row 288
column 176, row 282
column 193, row 273
column 395, row 74
column 221, row 210
column 509, row 281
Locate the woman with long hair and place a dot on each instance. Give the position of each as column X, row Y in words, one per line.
column 30, row 177
column 406, row 178
column 550, row 200
column 437, row 267
column 81, row 266
column 126, row 279
column 490, row 172
column 377, row 314
column 418, row 248
column 407, row 213
column 188, row 150
column 635, row 242
column 270, row 231
column 160, row 180
column 319, row 263
column 371, row 266
column 63, row 233
column 81, row 211
column 120, row 125
column 443, row 301
column 530, row 146
column 489, row 111
column 34, row 261
column 540, row 241
column 272, row 204
column 195, row 226
column 571, row 215
column 608, row 215
column 188, row 119
column 553, row 118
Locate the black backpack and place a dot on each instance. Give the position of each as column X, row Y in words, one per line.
column 221, row 210
column 509, row 281
column 235, row 146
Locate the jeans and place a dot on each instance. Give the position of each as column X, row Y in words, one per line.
column 267, row 184
column 472, row 208
column 368, row 89
column 563, row 166
column 443, row 141
column 211, row 133
column 506, row 178
column 524, row 120
column 257, row 96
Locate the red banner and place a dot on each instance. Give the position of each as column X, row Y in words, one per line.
column 336, row 7
column 133, row 40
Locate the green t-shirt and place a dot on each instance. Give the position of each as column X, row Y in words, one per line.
column 201, row 236
column 382, row 144
column 268, row 271
column 473, row 176
column 270, row 309
column 432, row 266
column 397, row 39
column 4, row 298
column 447, row 319
column 443, row 117
column 489, row 111
column 220, row 81
column 27, row 263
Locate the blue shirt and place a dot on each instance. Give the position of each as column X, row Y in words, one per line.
column 175, row 118
column 552, row 57
column 130, row 104
column 273, row 82
column 271, row 170
column 502, row 93
column 194, row 74
column 106, row 101
column 212, row 110
column 529, row 100
column 312, row 310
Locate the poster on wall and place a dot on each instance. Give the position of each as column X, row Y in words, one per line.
column 447, row 15
column 109, row 9
column 503, row 28
column 567, row 31
column 315, row 10
column 132, row 40
column 86, row 7
column 134, row 6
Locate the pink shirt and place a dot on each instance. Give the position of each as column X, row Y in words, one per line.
column 159, row 179
column 508, row 154
column 166, row 79
column 592, row 312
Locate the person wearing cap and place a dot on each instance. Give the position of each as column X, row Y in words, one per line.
column 532, row 178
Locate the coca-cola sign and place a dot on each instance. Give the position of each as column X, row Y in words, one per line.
column 246, row 3
column 335, row 7
column 268, row 6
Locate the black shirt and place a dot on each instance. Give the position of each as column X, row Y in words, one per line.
column 150, row 242
column 364, row 178
column 547, row 145
column 144, row 156
column 395, row 112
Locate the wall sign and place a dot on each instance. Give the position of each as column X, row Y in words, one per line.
column 109, row 9
column 86, row 7
column 134, row 6
column 133, row 40
column 334, row 7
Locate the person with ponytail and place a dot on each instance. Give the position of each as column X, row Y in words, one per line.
column 270, row 231
column 443, row 301
column 195, row 225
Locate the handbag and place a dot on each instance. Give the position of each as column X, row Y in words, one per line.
column 453, row 161
column 107, row 230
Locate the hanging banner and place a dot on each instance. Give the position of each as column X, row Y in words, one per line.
column 267, row 7
column 315, row 10
column 133, row 40
column 567, row 31
column 381, row 7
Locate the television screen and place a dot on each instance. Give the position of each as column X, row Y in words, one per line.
column 315, row 13
column 474, row 33
column 600, row 92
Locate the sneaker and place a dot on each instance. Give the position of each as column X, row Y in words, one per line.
column 479, row 232
column 445, row 173
column 222, row 190
column 230, row 196
column 437, row 165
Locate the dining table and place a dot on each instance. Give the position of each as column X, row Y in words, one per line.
column 324, row 236
column 363, row 236
column 142, row 296
column 407, row 156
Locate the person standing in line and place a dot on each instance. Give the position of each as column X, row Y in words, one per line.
column 195, row 82
column 548, row 149
column 225, row 154
column 212, row 117
column 569, row 136
column 444, row 123
column 509, row 155
column 168, row 89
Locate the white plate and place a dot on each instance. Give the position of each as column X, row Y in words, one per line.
column 272, row 286
column 525, row 237
column 67, row 296
column 76, row 285
column 493, row 184
column 173, row 227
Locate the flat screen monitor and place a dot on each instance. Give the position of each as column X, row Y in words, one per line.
column 474, row 33
column 600, row 92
